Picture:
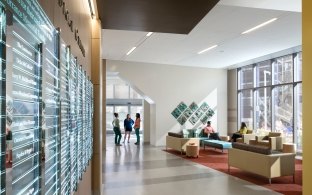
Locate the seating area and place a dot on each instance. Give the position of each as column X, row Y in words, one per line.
column 247, row 153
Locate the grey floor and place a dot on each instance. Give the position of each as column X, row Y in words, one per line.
column 144, row 169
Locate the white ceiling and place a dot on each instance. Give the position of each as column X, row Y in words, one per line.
column 223, row 26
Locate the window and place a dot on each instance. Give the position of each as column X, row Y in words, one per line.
column 109, row 91
column 298, row 116
column 274, row 102
column 246, row 107
column 109, row 117
column 246, row 77
column 283, row 70
column 298, row 66
column 122, row 112
column 263, row 73
column 283, row 111
column 121, row 91
column 137, row 109
column 263, row 113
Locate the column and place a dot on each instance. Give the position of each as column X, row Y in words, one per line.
column 97, row 77
column 307, row 94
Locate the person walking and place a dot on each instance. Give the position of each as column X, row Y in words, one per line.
column 128, row 122
column 137, row 128
column 117, row 130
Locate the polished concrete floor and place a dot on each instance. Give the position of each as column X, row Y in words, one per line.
column 144, row 169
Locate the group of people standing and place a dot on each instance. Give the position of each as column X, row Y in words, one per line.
column 128, row 126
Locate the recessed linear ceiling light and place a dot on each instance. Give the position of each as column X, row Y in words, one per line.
column 259, row 26
column 209, row 48
column 149, row 34
column 131, row 50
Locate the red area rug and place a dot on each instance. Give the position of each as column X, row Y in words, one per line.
column 217, row 160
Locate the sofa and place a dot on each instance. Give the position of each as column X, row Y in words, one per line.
column 261, row 161
column 178, row 142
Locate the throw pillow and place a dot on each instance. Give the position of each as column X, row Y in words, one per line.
column 266, row 138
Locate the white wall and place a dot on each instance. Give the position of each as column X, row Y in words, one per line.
column 168, row 85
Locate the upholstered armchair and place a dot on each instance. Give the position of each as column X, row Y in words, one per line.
column 246, row 137
column 273, row 140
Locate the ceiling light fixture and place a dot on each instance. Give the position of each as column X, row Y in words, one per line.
column 149, row 34
column 131, row 50
column 209, row 48
column 259, row 26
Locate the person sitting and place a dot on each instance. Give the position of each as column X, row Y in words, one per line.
column 209, row 130
column 240, row 132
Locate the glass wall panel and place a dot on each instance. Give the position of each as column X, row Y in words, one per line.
column 264, row 106
column 246, row 107
column 122, row 112
column 109, row 117
column 4, row 134
column 283, row 70
column 39, row 106
column 246, row 77
column 73, row 80
column 298, row 116
column 278, row 96
column 65, row 118
column 264, row 73
column 283, row 111
column 298, row 66
column 51, row 114
column 109, row 91
column 23, row 87
column 122, row 91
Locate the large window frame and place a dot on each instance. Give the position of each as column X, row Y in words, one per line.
column 267, row 89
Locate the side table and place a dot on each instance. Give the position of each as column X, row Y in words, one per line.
column 289, row 148
column 192, row 151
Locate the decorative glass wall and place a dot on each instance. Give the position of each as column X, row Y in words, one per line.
column 270, row 97
column 46, row 105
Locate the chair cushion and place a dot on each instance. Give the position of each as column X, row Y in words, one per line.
column 249, row 131
column 203, row 134
column 274, row 134
column 179, row 135
column 266, row 138
column 252, row 148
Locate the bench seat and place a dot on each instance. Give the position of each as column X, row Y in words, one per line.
column 217, row 144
